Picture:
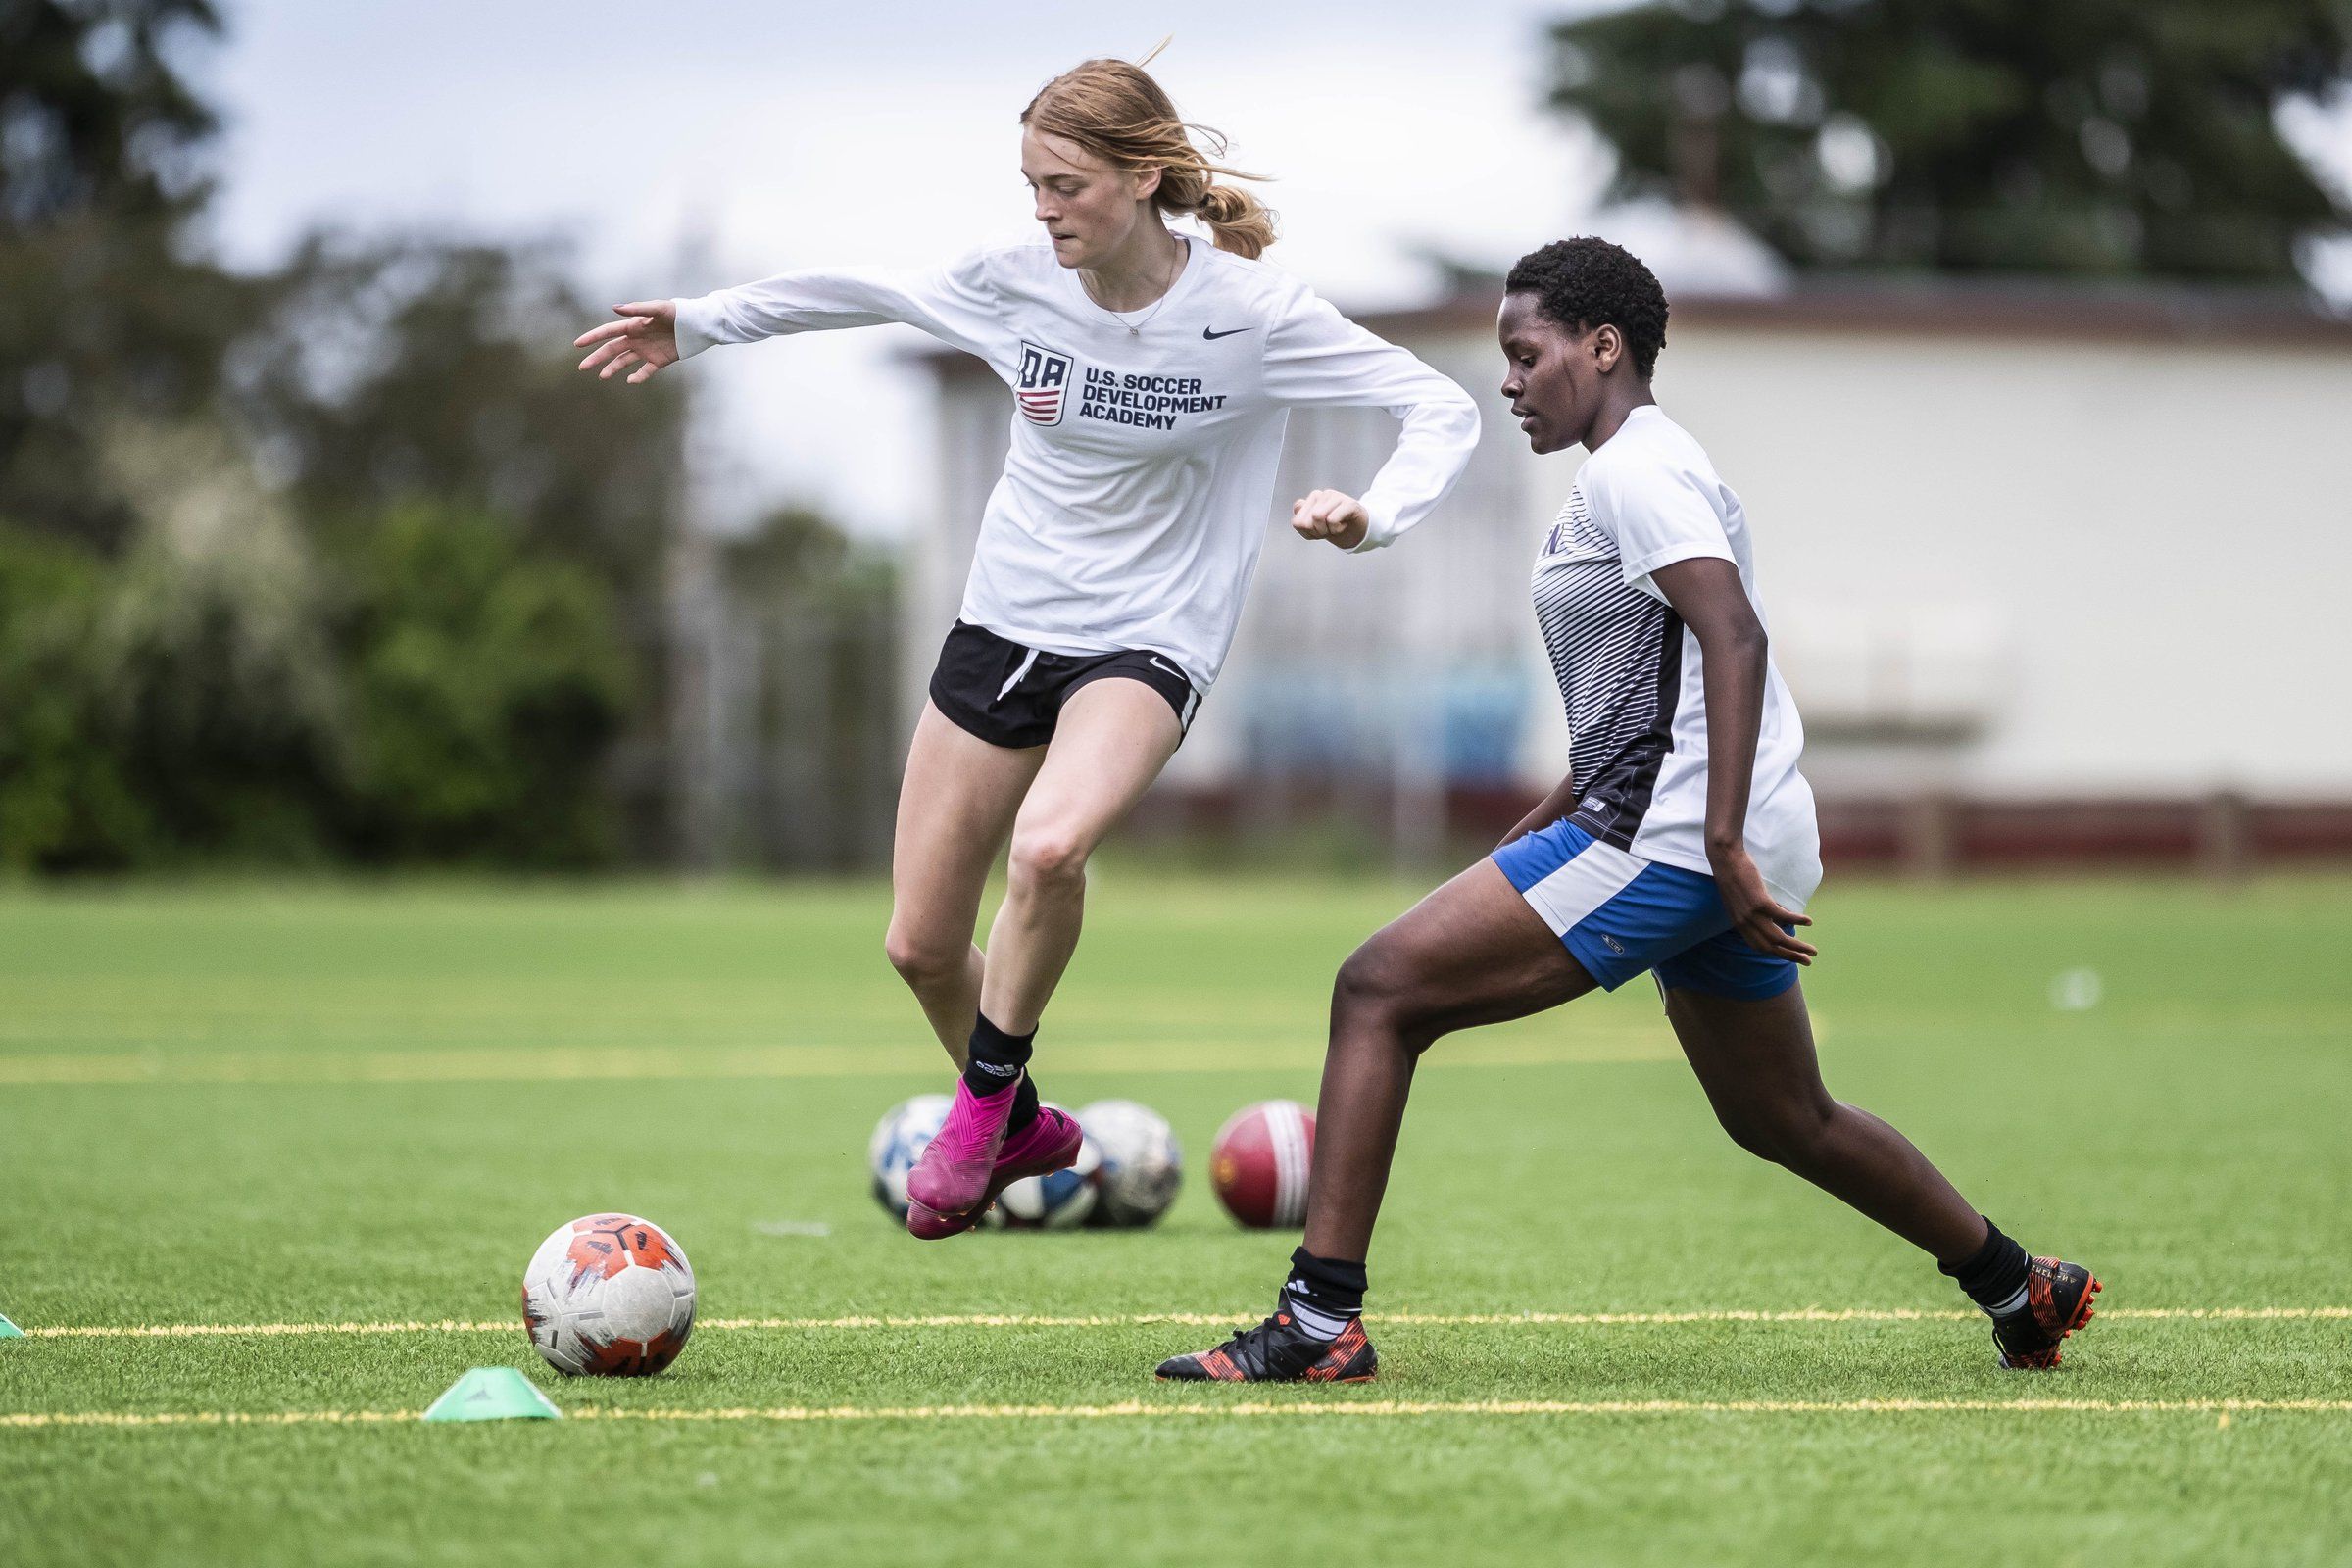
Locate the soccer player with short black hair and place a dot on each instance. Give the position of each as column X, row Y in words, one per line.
column 1681, row 842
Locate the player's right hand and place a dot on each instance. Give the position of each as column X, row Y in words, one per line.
column 1330, row 514
column 645, row 338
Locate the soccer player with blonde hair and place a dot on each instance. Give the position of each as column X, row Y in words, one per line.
column 1152, row 376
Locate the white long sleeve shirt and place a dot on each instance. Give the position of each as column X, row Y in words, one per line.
column 1136, row 495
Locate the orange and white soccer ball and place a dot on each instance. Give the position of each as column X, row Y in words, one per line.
column 611, row 1295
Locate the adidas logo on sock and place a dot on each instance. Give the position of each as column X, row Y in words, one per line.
column 1323, row 1324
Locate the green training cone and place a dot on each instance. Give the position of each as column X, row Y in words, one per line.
column 9, row 1331
column 493, row 1394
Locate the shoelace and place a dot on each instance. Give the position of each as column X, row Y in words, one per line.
column 1243, row 1344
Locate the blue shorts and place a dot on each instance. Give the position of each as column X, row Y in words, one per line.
column 1620, row 915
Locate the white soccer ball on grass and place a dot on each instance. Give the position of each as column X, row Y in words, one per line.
column 1057, row 1201
column 900, row 1138
column 1142, row 1163
column 609, row 1296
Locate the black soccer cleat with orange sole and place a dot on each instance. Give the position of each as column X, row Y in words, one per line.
column 2057, row 1302
column 1279, row 1350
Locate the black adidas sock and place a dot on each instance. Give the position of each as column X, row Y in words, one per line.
column 1324, row 1295
column 1995, row 1276
column 996, row 1058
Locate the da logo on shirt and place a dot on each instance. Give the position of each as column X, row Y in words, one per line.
column 1045, row 378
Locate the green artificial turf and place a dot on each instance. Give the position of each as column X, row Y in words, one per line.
column 331, row 1104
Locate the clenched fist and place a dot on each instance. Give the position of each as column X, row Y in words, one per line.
column 1330, row 514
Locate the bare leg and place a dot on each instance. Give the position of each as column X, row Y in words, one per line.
column 1472, row 952
column 1111, row 741
column 1755, row 1060
column 956, row 810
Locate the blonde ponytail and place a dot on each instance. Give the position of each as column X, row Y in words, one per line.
column 1116, row 112
column 1236, row 220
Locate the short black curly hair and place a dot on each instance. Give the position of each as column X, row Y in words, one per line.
column 1585, row 282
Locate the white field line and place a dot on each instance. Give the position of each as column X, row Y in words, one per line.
column 1136, row 1409
column 1009, row 1320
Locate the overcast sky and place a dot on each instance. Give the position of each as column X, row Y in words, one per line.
column 712, row 141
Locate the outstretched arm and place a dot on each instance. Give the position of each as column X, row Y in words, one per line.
column 953, row 304
column 1318, row 356
column 1705, row 591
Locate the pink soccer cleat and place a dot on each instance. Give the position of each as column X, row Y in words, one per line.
column 1048, row 1143
column 953, row 1173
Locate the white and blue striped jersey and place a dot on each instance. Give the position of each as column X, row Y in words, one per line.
column 1630, row 672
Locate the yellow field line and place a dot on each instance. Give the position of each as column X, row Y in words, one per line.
column 1020, row 1320
column 1129, row 1409
column 1136, row 1409
column 605, row 1063
column 203, row 1418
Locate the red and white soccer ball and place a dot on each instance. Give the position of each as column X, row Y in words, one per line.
column 1258, row 1165
column 611, row 1295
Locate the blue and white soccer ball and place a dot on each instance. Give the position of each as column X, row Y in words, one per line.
column 1142, row 1163
column 1057, row 1201
column 899, row 1142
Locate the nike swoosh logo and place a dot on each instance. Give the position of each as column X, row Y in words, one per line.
column 1214, row 336
column 1154, row 659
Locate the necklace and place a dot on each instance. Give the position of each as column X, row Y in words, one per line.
column 1184, row 252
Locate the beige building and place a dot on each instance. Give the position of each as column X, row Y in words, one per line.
column 2044, row 570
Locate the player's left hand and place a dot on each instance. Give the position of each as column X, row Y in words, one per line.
column 1756, row 916
column 1330, row 514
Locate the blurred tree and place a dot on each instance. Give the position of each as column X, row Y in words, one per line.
column 486, row 684
column 423, row 689
column 177, row 705
column 96, row 117
column 341, row 557
column 64, row 804
column 102, row 311
column 798, row 557
column 410, row 374
column 218, row 692
column 2100, row 137
column 413, row 368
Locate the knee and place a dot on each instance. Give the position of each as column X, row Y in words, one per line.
column 1744, row 1130
column 1366, row 979
column 1048, row 859
column 1805, row 1135
column 1377, row 980
column 922, row 961
column 1792, row 1134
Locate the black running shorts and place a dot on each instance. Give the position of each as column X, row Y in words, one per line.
column 1012, row 696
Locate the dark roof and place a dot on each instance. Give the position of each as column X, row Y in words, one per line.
column 2117, row 312
column 1953, row 308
